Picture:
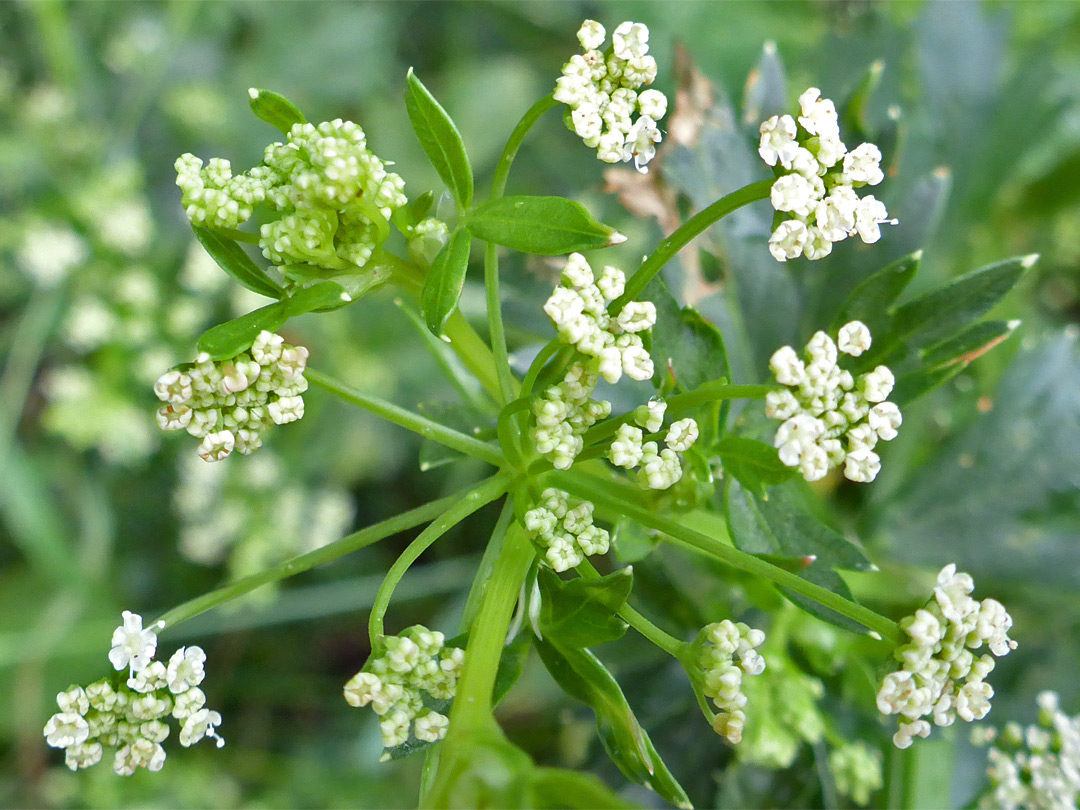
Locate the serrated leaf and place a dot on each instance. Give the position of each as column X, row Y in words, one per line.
column 440, row 140
column 583, row 612
column 231, row 258
column 445, row 280
column 275, row 109
column 970, row 344
column 870, row 301
column 232, row 337
column 545, row 226
column 753, row 464
column 582, row 676
column 940, row 313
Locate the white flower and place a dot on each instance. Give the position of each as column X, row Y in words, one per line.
column 637, row 316
column 924, row 628
column 835, row 215
column 877, row 384
column 908, row 731
column 813, row 462
column 395, row 729
column 795, row 193
column 863, row 165
column 631, row 40
column 641, row 143
column 778, row 140
column 862, row 465
column 173, row 387
column 787, row 367
column 854, row 338
column 828, row 150
column 186, row 669
column 682, row 435
column 652, row 103
column 431, row 726
column 626, row 449
column 637, row 363
column 73, row 700
column 651, row 415
column 591, row 35
column 66, row 729
column 216, row 446
column 267, row 348
column 132, row 646
column 818, row 114
column 286, row 409
column 884, row 419
column 781, row 404
column 822, row 351
column 83, row 756
column 610, row 147
column 149, row 679
column 587, row 121
column 869, row 214
column 788, row 240
column 202, row 723
column 611, row 283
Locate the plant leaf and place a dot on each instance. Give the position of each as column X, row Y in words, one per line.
column 870, row 301
column 558, row 788
column 275, row 109
column 445, row 280
column 582, row 676
column 968, row 345
column 231, row 258
column 232, row 337
column 545, row 226
column 440, row 140
column 686, row 340
column 511, row 665
column 583, row 612
column 753, row 464
column 324, row 296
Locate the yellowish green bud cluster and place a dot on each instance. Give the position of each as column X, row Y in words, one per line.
column 725, row 653
column 229, row 403
column 566, row 532
column 401, row 671
column 856, row 771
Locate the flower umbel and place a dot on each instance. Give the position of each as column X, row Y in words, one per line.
column 725, row 652
column 565, row 532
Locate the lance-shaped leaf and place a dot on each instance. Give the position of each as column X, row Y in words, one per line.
column 545, row 226
column 753, row 464
column 440, row 140
column 232, row 337
column 445, row 279
column 582, row 676
column 275, row 109
column 322, row 297
column 871, row 300
column 583, row 612
column 970, row 344
column 231, row 258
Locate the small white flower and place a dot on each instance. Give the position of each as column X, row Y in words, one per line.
column 73, row 700
column 641, row 143
column 788, row 240
column 794, row 193
column 626, row 449
column 869, row 214
column 149, row 679
column 173, row 387
column 631, row 40
column 884, row 419
column 186, row 669
column 862, row 465
column 637, row 316
column 651, row 415
column 813, row 462
column 83, row 755
column 778, row 142
column 781, row 404
column 818, row 246
column 652, row 103
column 431, row 726
column 835, row 215
column 216, row 446
column 876, row 385
column 587, row 121
column 828, row 150
column 132, row 646
column 610, row 147
column 202, row 723
column 822, row 351
column 682, row 435
column 863, row 165
column 66, row 729
column 591, row 35
column 611, row 283
column 395, row 729
column 787, row 367
column 854, row 338
column 637, row 363
column 818, row 114
column 286, row 409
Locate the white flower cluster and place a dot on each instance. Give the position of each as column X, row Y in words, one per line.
column 566, row 532
column 228, row 403
column 395, row 678
column 831, row 417
column 48, row 253
column 334, row 195
column 130, row 715
column 941, row 677
column 603, row 92
column 1038, row 767
column 657, row 469
column 856, row 770
column 612, row 347
column 721, row 644
column 818, row 190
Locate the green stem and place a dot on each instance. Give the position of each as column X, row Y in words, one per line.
column 665, row 641
column 305, row 562
column 487, row 564
column 683, row 236
column 583, row 487
column 464, row 505
column 507, row 384
column 538, row 364
column 407, row 419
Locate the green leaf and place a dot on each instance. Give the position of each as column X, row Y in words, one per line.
column 583, row 612
column 853, row 110
column 420, row 207
column 914, row 384
column 941, row 312
column 231, row 258
column 440, row 140
column 754, row 464
column 322, row 297
column 582, row 676
column 357, row 284
column 632, row 541
column 968, row 345
column 445, row 280
column 870, row 301
column 232, row 337
column 682, row 337
column 545, row 226
column 511, row 665
column 275, row 109
column 558, row 788
column 766, row 87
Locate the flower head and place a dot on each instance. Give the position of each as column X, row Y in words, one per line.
column 132, row 646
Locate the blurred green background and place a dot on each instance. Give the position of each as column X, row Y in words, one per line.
column 102, row 288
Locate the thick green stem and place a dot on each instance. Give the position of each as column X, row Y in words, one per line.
column 683, row 236
column 305, row 562
column 410, row 421
column 583, row 487
column 479, row 496
column 487, row 564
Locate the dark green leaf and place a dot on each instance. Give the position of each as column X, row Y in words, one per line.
column 322, row 297
column 583, row 612
column 440, row 140
column 941, row 312
column 232, row 337
column 683, row 338
column 445, row 280
column 582, row 676
column 231, row 258
column 275, row 109
column 853, row 111
column 546, row 226
column 754, row 464
column 557, row 788
column 511, row 665
column 870, row 301
column 913, row 385
column 421, row 206
column 970, row 344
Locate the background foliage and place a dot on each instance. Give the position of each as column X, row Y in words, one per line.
column 99, row 513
